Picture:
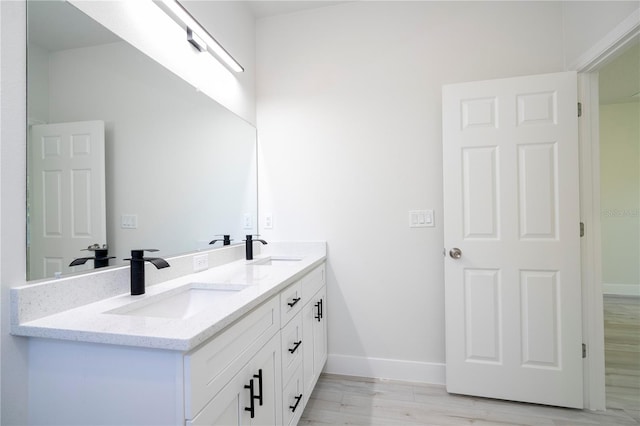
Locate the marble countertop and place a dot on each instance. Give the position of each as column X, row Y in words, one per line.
column 96, row 322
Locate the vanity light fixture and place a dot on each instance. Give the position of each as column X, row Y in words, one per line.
column 197, row 35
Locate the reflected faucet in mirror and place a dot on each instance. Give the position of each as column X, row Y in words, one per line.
column 226, row 240
column 137, row 269
column 100, row 257
column 249, row 245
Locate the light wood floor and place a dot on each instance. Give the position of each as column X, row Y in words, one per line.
column 339, row 400
column 622, row 353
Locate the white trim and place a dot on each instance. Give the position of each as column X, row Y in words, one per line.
column 591, row 248
column 604, row 50
column 593, row 311
column 408, row 371
column 621, row 289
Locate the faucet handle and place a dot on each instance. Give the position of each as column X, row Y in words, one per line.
column 250, row 238
column 138, row 254
column 225, row 241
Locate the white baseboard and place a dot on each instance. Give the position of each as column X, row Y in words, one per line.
column 621, row 289
column 409, row 371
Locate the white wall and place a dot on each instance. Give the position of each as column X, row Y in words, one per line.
column 349, row 124
column 13, row 366
column 38, row 82
column 237, row 96
column 587, row 22
column 620, row 197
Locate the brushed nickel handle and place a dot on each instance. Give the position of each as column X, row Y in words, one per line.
column 455, row 253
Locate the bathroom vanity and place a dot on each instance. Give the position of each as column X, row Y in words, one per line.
column 240, row 343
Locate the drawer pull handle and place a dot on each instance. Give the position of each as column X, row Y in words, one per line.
column 320, row 310
column 252, row 407
column 293, row 407
column 295, row 347
column 259, row 377
column 293, row 302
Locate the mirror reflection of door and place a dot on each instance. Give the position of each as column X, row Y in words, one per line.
column 66, row 197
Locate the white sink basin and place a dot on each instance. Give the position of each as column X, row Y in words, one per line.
column 277, row 260
column 181, row 303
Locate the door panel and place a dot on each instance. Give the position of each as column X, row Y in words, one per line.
column 512, row 300
column 67, row 209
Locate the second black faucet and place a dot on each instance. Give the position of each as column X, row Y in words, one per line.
column 249, row 245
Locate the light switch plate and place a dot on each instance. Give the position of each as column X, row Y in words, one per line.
column 248, row 221
column 268, row 221
column 421, row 218
column 129, row 221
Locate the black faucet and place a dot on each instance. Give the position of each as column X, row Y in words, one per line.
column 100, row 257
column 137, row 269
column 225, row 241
column 249, row 245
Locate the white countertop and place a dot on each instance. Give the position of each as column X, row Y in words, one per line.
column 93, row 323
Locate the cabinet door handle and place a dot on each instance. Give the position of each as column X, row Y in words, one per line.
column 252, row 407
column 293, row 407
column 293, row 302
column 259, row 377
column 319, row 306
column 295, row 347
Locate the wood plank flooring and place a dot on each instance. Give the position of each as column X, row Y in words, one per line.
column 341, row 400
column 622, row 353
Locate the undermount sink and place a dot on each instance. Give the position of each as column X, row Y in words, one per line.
column 183, row 302
column 277, row 260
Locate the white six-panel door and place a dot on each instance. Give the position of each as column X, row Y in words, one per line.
column 512, row 298
column 67, row 200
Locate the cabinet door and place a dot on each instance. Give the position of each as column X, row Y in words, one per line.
column 265, row 370
column 314, row 333
column 259, row 382
column 320, row 334
column 228, row 407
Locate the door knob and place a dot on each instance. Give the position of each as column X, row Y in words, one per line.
column 455, row 253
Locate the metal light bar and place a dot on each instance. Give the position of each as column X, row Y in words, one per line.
column 197, row 35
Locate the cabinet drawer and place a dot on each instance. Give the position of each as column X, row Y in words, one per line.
column 291, row 302
column 292, row 347
column 210, row 367
column 293, row 401
column 312, row 282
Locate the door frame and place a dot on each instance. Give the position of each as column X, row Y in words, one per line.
column 588, row 66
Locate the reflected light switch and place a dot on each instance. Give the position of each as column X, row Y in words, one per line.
column 129, row 221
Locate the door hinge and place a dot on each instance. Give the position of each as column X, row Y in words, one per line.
column 581, row 229
column 579, row 109
column 584, row 350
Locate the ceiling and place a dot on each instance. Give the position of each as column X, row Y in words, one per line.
column 55, row 25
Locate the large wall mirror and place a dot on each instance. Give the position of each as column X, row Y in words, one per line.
column 122, row 153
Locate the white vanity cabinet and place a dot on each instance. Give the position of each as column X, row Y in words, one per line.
column 258, row 370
